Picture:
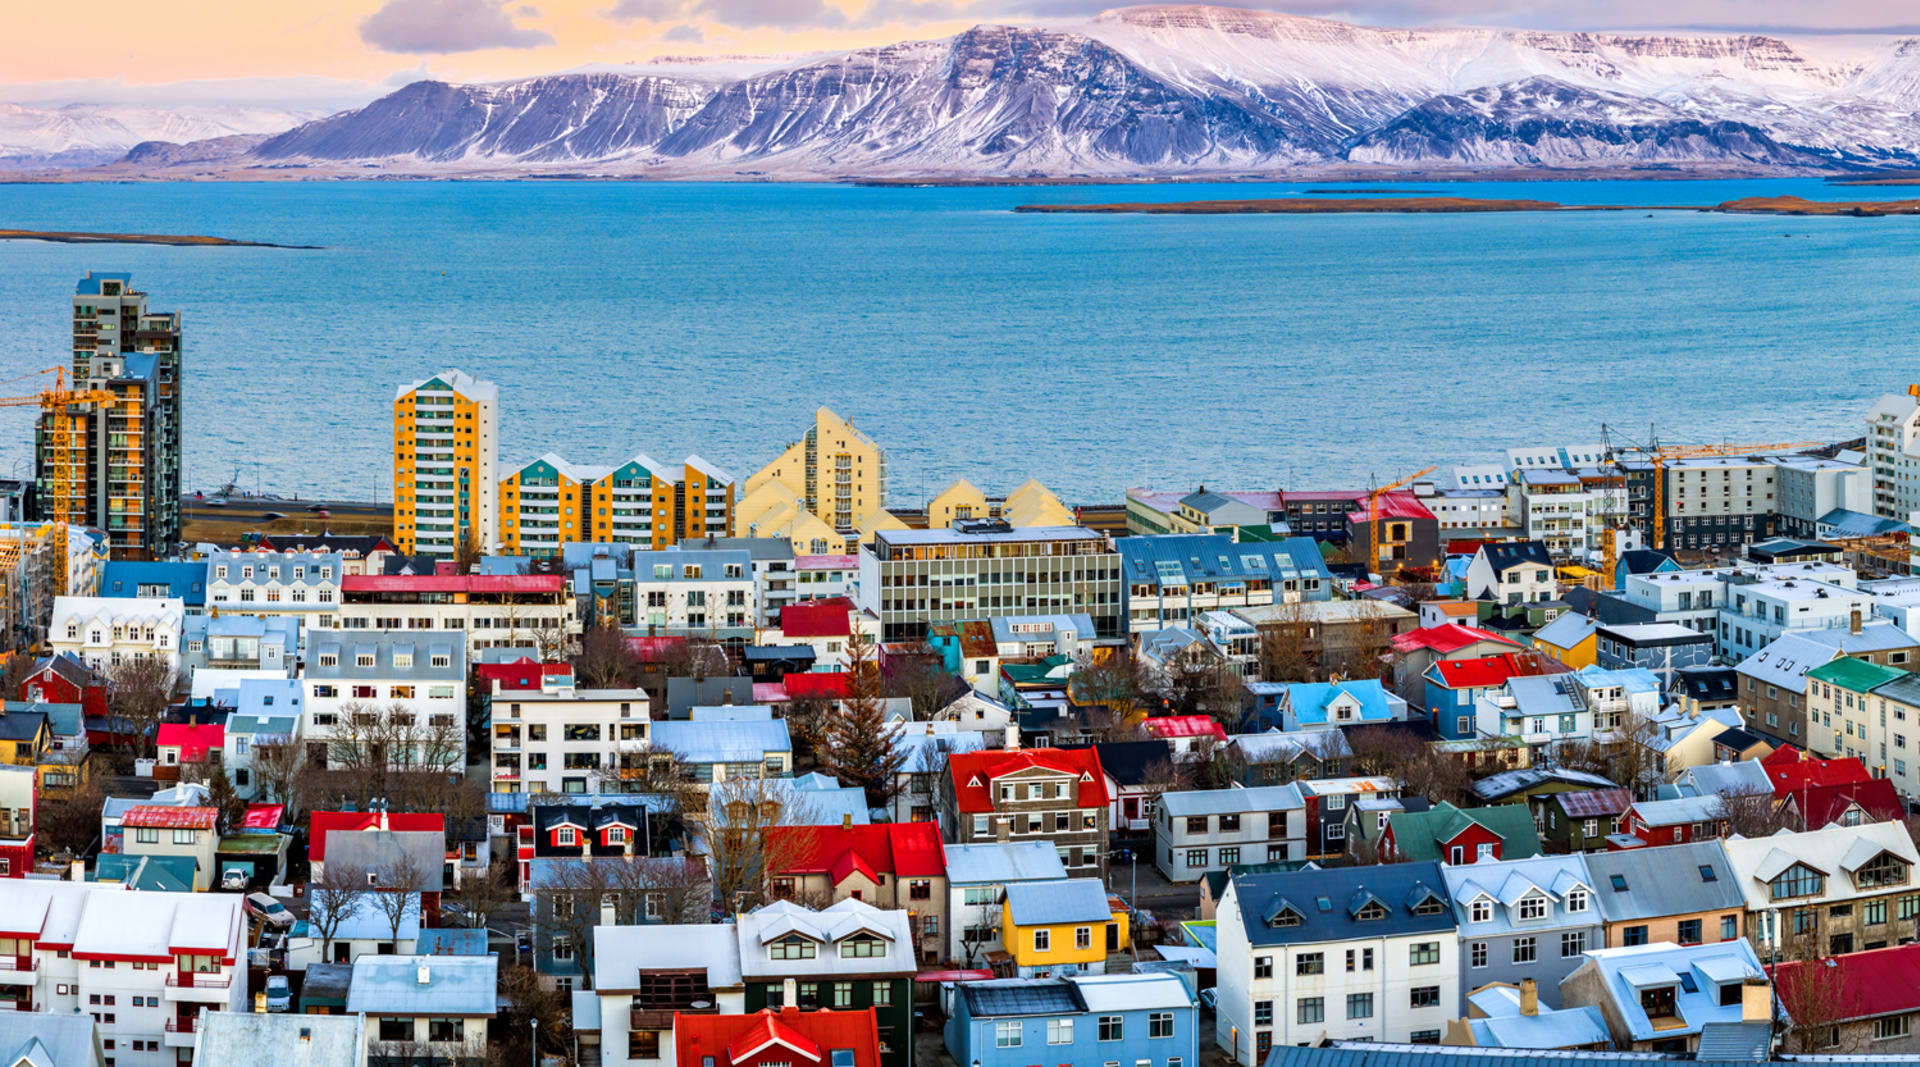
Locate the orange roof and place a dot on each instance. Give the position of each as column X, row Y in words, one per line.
column 786, row 1036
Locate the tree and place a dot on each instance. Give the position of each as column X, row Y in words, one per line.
column 695, row 658
column 483, row 893
column 1289, row 646
column 860, row 750
column 738, row 821
column 530, row 1006
column 606, row 660
column 70, row 821
column 466, row 555
column 1159, row 778
column 138, row 694
column 1201, row 683
column 575, row 897
column 221, row 795
column 976, row 936
column 331, row 898
column 1818, row 1002
column 1754, row 814
column 399, row 883
column 387, row 753
column 1623, row 748
column 1215, row 765
column 1421, row 769
column 278, row 771
column 1116, row 680
column 807, row 726
column 924, row 681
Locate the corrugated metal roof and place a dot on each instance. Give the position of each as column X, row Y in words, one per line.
column 453, row 985
column 1070, row 900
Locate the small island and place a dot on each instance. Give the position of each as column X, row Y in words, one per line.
column 75, row 237
column 1753, row 205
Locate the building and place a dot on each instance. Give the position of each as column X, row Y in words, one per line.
column 1716, row 502
column 1460, row 836
column 1756, row 612
column 1174, row 579
column 928, row 747
column 1152, row 511
column 835, row 473
column 1199, row 831
column 912, row 579
column 1849, row 702
column 1658, row 997
column 1456, row 687
column 1147, row 1020
column 724, row 751
column 106, row 632
column 371, row 686
column 156, row 958
column 1054, row 794
column 1571, row 639
column 977, row 878
column 257, row 1039
column 303, row 585
column 1686, row 894
column 1512, row 572
column 266, row 713
column 241, row 643
column 901, row 866
column 536, row 612
column 1893, row 454
column 1524, row 919
column 1333, row 636
column 1661, row 647
column 1507, row 1016
column 446, row 440
column 559, row 739
column 776, row 577
column 19, row 812
column 696, row 592
column 1347, row 952
column 1062, row 927
column 439, row 1004
column 550, row 502
column 1327, row 802
column 847, row 957
column 1676, row 821
column 1416, row 650
column 1582, row 822
column 115, row 465
column 362, row 927
column 1810, row 487
column 771, row 1038
column 1408, row 531
column 1031, row 504
column 1334, row 705
column 1872, row 998
column 1830, row 891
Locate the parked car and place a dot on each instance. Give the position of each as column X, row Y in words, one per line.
column 279, row 994
column 1209, row 999
column 269, row 911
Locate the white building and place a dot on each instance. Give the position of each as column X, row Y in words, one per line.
column 817, row 577
column 1203, row 830
column 416, row 685
column 534, row 612
column 1755, row 613
column 695, row 592
column 1809, row 487
column 105, row 632
column 302, row 584
column 559, row 739
column 1512, row 572
column 441, row 1004
column 1348, row 953
column 1893, row 454
column 142, row 963
column 977, row 880
column 266, row 711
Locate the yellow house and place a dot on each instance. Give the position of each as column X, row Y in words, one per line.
column 24, row 737
column 1069, row 923
column 1569, row 639
column 771, row 510
column 957, row 502
column 551, row 502
column 836, row 471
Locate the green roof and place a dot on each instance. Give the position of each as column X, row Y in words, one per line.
column 1034, row 672
column 251, row 844
column 1417, row 835
column 1855, row 674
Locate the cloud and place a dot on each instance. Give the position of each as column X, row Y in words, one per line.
column 442, row 26
column 407, row 77
column 651, row 10
column 773, row 14
column 683, row 33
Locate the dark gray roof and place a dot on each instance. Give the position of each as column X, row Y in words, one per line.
column 1708, row 683
column 1644, row 560
column 1327, row 903
column 1375, row 1054
column 1503, row 556
column 1127, row 762
column 1664, row 880
column 1751, row 1042
column 375, row 852
column 1022, row 996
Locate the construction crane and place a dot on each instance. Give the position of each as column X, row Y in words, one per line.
column 1379, row 549
column 1659, row 457
column 65, row 452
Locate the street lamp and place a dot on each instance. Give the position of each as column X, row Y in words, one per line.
column 533, row 1042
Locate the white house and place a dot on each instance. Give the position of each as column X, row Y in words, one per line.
column 302, row 584
column 1512, row 572
column 420, row 681
column 694, row 592
column 105, row 632
column 643, row 974
column 559, row 739
column 1348, row 953
column 1203, row 830
column 266, row 711
column 439, row 1003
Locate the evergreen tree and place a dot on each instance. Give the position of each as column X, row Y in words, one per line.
column 859, row 747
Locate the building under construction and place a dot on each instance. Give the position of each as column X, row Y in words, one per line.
column 32, row 562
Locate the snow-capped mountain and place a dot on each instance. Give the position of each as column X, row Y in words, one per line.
column 85, row 134
column 1164, row 90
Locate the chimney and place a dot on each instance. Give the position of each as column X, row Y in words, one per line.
column 1756, row 1001
column 1854, row 625
column 1002, row 830
column 423, row 976
column 1529, row 997
column 789, row 994
column 846, row 820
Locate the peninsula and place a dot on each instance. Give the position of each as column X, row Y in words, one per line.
column 75, row 237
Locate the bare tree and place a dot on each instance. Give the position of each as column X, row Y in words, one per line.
column 483, row 893
column 1754, row 814
column 400, row 883
column 1290, row 646
column 1159, row 778
column 1420, row 768
column 928, row 684
column 860, row 750
column 1818, row 1003
column 221, row 796
column 1200, row 684
column 575, row 897
column 533, row 1006
column 606, row 660
column 1116, row 680
column 807, row 725
column 278, row 770
column 70, row 821
column 466, row 555
column 331, row 898
column 1214, row 765
column 976, row 936
column 138, row 694
column 695, row 658
column 742, row 851
column 387, row 753
column 1625, row 750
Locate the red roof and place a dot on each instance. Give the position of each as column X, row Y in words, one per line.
column 974, row 773
column 832, row 617
column 1790, row 769
column 168, row 817
column 1822, row 805
column 263, row 816
column 654, row 649
column 1398, row 504
column 1185, row 726
column 1445, row 638
column 765, row 1037
column 903, row 849
column 1484, row 671
column 824, row 685
column 192, row 741
column 521, row 675
column 453, row 583
column 1854, row 985
column 325, row 822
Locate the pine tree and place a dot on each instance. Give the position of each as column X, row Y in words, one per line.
column 860, row 749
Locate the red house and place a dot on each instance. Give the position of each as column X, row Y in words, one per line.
column 63, row 679
column 1677, row 821
column 889, row 865
column 777, row 1039
column 1789, row 768
column 1456, row 836
column 521, row 675
column 1816, row 807
column 182, row 743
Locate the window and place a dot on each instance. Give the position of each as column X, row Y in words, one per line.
column 1113, row 1027
column 1006, row 1034
column 1799, row 880
column 1426, row 996
column 1874, row 913
column 146, row 835
column 1311, row 1010
column 184, row 837
column 1307, row 963
column 862, row 946
column 1160, row 1024
column 883, row 994
column 1729, row 927
column 1884, row 869
column 1082, row 938
column 1689, row 931
column 1359, row 1005
column 1481, row 911
column 1263, row 967
column 1359, row 961
column 1892, row 1026
column 1523, row 950
column 1533, row 907
column 1263, row 1013
column 396, row 1029
column 1634, row 935
column 446, row 1030
column 1573, row 944
column 842, row 995
column 791, row 947
column 1576, row 900
column 1042, row 940
column 1477, row 953
column 1197, row 857
column 1059, row 1031
column 1423, row 952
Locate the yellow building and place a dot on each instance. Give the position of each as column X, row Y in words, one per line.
column 772, row 510
column 1569, row 639
column 445, row 438
column 836, row 472
column 1046, row 925
column 550, row 502
column 1032, row 504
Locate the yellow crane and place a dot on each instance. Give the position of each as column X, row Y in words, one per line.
column 1375, row 545
column 1659, row 457
column 65, row 453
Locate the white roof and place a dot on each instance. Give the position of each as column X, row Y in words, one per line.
column 149, row 924
column 621, row 952
column 828, row 926
column 454, row 985
column 1832, row 850
column 1785, row 661
column 1121, row 992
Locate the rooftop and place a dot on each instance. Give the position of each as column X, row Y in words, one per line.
column 425, row 985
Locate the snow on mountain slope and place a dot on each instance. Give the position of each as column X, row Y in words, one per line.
column 66, row 135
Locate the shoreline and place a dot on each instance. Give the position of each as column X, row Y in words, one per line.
column 1454, row 205
column 74, row 237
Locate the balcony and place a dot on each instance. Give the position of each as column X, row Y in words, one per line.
column 17, row 971
column 198, row 988
column 181, row 1032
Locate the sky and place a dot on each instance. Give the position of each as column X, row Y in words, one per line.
column 335, row 50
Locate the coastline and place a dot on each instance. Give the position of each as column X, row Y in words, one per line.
column 75, row 237
column 1457, row 205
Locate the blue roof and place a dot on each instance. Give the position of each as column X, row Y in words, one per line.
column 1846, row 523
column 1325, row 904
column 1069, row 900
column 1693, row 972
column 455, row 985
column 187, row 581
column 90, row 281
column 722, row 742
column 162, row 874
column 1311, row 700
column 65, row 720
column 1184, row 559
column 449, row 942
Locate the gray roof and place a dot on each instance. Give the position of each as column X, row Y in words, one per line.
column 1750, row 1041
column 1191, row 558
column 1507, row 783
column 711, row 561
column 1022, row 996
column 1327, row 903
column 722, row 742
column 757, row 547
column 997, row 863
column 48, row 1040
column 1745, row 776
column 376, row 851
column 1230, row 801
column 1506, row 881
column 1070, row 900
column 250, row 1039
column 455, row 985
column 1378, row 1054
column 1664, row 880
column 620, row 953
column 1785, row 661
column 347, row 647
column 1873, row 637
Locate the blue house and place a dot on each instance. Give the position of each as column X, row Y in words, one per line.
column 1326, row 705
column 1142, row 1020
column 133, row 578
column 1454, row 685
column 1641, row 561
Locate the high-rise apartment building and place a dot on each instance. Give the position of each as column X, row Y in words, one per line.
column 642, row 502
column 837, row 473
column 116, row 464
column 445, row 438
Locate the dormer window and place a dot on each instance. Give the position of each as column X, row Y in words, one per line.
column 1429, row 905
column 791, row 947
column 1884, row 869
column 1798, row 880
column 1481, row 911
column 1371, row 911
column 566, row 837
column 1533, row 907
column 1576, row 900
column 861, row 947
column 364, row 659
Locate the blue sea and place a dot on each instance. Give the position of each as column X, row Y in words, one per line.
column 1092, row 352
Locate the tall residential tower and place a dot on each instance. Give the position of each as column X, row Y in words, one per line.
column 445, row 437
column 116, row 465
column 836, row 472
